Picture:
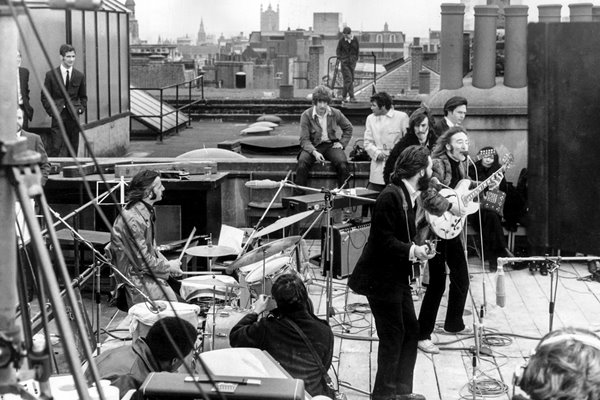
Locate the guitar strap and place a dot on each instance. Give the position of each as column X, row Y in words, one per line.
column 405, row 207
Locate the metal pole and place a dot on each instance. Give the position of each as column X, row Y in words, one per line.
column 8, row 248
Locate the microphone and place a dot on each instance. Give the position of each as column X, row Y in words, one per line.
column 500, row 290
column 262, row 184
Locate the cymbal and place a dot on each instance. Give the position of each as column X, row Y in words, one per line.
column 283, row 222
column 263, row 252
column 210, row 251
column 200, row 281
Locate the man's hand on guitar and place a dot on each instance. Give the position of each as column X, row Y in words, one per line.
column 457, row 210
column 495, row 182
column 424, row 252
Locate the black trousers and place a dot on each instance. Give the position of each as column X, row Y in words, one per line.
column 450, row 252
column 348, row 77
column 336, row 156
column 59, row 147
column 398, row 329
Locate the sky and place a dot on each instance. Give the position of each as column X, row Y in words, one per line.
column 176, row 18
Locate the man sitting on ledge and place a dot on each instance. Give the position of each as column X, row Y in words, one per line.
column 320, row 137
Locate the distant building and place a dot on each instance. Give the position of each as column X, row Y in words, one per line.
column 269, row 19
column 201, row 33
column 386, row 45
column 134, row 30
column 185, row 40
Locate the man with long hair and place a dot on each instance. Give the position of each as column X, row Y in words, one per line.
column 382, row 274
column 565, row 366
column 275, row 334
column 420, row 132
column 321, row 139
column 449, row 167
column 133, row 246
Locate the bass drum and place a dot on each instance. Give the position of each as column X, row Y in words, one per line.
column 219, row 323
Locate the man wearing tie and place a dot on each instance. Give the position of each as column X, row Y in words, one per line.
column 74, row 82
column 23, row 92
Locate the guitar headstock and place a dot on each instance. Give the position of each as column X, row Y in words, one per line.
column 485, row 153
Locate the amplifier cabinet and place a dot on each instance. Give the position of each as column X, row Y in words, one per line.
column 348, row 243
column 167, row 385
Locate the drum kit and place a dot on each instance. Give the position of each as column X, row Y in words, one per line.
column 222, row 299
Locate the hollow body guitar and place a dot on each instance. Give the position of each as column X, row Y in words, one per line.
column 448, row 226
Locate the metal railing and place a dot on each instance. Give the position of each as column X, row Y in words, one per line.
column 198, row 81
column 336, row 71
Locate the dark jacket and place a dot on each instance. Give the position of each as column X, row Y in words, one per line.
column 284, row 344
column 347, row 52
column 34, row 142
column 441, row 126
column 410, row 139
column 24, row 84
column 384, row 264
column 77, row 92
column 126, row 367
column 310, row 129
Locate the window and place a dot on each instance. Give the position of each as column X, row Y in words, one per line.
column 379, row 38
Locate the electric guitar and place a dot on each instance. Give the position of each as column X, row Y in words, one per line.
column 448, row 225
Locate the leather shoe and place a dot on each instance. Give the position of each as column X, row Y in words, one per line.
column 428, row 346
column 411, row 396
column 467, row 330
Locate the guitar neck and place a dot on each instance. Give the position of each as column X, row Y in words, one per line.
column 475, row 192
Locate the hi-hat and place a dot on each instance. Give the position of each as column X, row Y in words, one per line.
column 283, row 222
column 263, row 252
column 210, row 251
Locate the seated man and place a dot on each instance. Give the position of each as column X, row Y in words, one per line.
column 275, row 334
column 565, row 366
column 127, row 367
column 133, row 246
column 320, row 138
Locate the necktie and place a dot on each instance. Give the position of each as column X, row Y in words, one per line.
column 67, row 80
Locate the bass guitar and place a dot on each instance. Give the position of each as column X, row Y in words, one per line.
column 448, row 225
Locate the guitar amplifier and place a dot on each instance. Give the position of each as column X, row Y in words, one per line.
column 348, row 243
column 167, row 385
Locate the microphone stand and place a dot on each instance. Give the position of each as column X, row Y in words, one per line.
column 555, row 261
column 282, row 184
column 327, row 260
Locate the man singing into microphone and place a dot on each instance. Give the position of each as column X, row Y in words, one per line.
column 449, row 167
column 383, row 274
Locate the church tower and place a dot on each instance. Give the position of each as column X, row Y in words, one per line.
column 201, row 33
column 134, row 33
column 269, row 19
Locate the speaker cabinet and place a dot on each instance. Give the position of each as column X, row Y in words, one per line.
column 563, row 64
column 348, row 243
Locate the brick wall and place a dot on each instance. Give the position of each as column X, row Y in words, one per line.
column 156, row 75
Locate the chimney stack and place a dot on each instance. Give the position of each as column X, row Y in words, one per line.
column 451, row 42
column 484, row 48
column 515, row 46
column 580, row 12
column 416, row 55
column 549, row 13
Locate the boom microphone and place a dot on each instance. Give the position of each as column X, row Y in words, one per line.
column 262, row 184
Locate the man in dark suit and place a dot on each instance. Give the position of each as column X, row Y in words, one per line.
column 34, row 142
column 23, row 92
column 74, row 82
column 382, row 273
column 455, row 111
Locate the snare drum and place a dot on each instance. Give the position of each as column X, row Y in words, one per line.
column 223, row 319
column 272, row 270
